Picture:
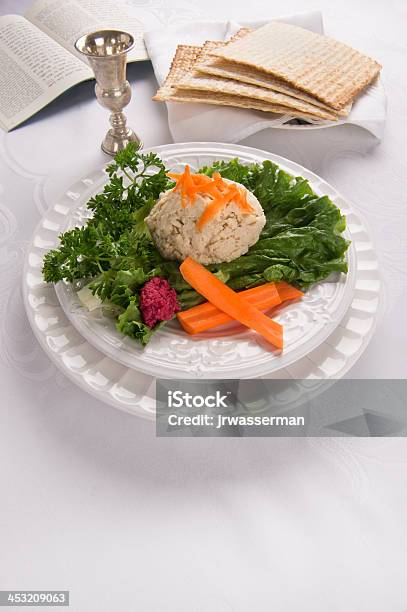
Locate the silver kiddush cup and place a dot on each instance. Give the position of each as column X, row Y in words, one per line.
column 106, row 52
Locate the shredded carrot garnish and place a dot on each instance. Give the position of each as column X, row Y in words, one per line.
column 216, row 205
column 220, row 192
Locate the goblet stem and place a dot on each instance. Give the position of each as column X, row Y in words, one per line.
column 118, row 122
column 119, row 136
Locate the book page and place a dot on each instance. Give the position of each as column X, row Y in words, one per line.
column 66, row 20
column 34, row 70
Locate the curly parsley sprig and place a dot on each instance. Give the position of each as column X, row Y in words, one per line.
column 135, row 182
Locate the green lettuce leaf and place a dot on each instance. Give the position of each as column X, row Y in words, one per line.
column 130, row 323
column 302, row 240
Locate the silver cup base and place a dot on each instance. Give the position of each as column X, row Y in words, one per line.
column 112, row 143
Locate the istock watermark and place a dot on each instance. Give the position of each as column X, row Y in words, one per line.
column 179, row 399
column 270, row 408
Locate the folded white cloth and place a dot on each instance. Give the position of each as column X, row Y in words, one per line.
column 195, row 122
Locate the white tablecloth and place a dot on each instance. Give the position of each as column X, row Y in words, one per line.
column 92, row 502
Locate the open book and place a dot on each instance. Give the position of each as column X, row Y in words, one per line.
column 38, row 60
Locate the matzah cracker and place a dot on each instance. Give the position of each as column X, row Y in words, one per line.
column 181, row 66
column 180, row 95
column 182, row 63
column 214, row 85
column 246, row 74
column 325, row 68
column 195, row 81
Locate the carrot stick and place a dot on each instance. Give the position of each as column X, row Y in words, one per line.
column 205, row 316
column 287, row 292
column 231, row 303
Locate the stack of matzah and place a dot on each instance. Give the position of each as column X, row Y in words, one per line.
column 278, row 68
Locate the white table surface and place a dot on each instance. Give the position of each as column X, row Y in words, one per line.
column 92, row 502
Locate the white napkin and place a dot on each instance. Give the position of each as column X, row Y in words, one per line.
column 196, row 122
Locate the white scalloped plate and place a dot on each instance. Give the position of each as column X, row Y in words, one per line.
column 234, row 352
column 122, row 386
